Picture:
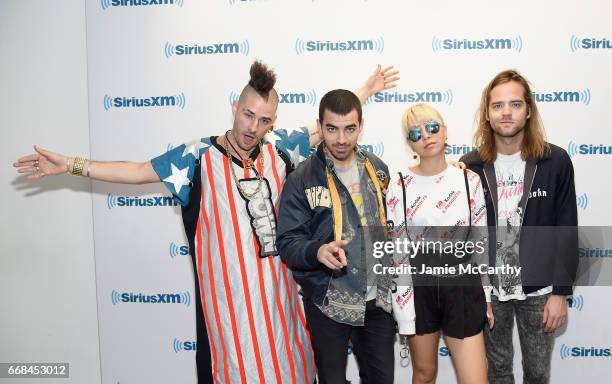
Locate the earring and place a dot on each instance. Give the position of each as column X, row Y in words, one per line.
column 415, row 156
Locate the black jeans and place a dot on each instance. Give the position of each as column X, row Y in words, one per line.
column 372, row 345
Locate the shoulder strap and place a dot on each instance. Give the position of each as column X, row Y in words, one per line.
column 467, row 189
column 404, row 201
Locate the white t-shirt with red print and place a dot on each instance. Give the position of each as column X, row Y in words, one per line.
column 439, row 201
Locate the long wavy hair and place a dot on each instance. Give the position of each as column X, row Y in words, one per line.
column 534, row 145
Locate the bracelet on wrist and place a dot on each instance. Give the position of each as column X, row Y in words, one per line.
column 77, row 166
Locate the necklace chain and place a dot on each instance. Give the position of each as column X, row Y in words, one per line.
column 231, row 165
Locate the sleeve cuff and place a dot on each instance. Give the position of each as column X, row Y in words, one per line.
column 562, row 290
column 487, row 291
column 406, row 327
column 311, row 253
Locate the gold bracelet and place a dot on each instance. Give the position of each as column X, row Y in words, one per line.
column 77, row 166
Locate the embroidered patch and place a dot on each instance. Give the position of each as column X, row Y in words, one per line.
column 318, row 197
column 383, row 180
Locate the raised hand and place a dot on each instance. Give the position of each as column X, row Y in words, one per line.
column 42, row 163
column 380, row 80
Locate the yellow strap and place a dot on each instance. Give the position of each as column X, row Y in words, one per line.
column 336, row 206
column 381, row 208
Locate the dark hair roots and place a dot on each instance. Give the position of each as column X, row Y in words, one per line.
column 262, row 78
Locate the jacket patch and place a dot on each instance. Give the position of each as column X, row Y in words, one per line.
column 538, row 193
column 383, row 180
column 318, row 197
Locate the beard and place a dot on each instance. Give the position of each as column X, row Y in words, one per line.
column 508, row 133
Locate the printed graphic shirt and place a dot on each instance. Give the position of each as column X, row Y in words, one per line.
column 438, row 201
column 510, row 176
column 351, row 178
column 253, row 314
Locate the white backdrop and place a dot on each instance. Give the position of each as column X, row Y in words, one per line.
column 447, row 52
column 47, row 272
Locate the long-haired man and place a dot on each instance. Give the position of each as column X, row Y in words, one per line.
column 531, row 212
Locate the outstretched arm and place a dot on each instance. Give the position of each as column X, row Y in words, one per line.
column 380, row 80
column 47, row 163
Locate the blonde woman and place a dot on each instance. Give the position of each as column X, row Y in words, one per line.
column 443, row 208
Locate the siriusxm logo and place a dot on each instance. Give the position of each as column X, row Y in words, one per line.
column 179, row 345
column 308, row 46
column 583, row 97
column 568, row 352
column 450, row 44
column 594, row 252
column 582, row 201
column 576, row 43
column 455, row 149
column 113, row 201
column 577, row 302
column 574, row 149
column 308, row 97
column 177, row 100
column 138, row 3
column 444, row 351
column 239, row 48
column 178, row 250
column 443, row 97
column 158, row 298
column 376, row 149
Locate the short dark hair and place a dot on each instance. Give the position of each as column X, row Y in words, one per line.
column 341, row 102
column 262, row 80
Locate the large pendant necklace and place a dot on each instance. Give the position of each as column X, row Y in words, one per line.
column 247, row 164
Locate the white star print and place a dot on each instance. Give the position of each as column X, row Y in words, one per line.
column 295, row 156
column 194, row 148
column 178, row 178
column 272, row 138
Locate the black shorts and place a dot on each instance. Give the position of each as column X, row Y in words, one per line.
column 458, row 310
